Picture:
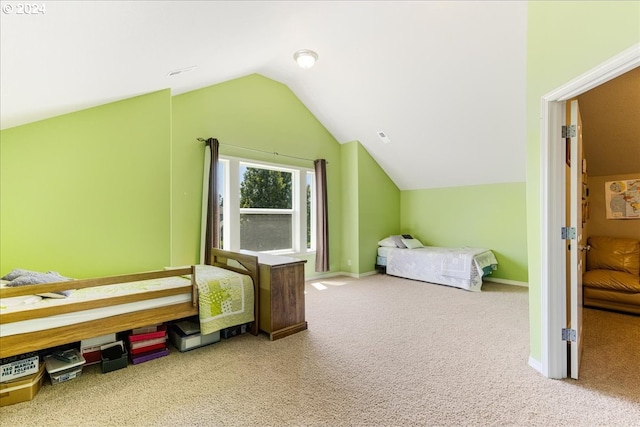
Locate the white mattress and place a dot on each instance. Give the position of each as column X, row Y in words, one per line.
column 457, row 267
column 19, row 304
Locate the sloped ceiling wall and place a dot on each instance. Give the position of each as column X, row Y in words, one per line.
column 611, row 126
column 444, row 79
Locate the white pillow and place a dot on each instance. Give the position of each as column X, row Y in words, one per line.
column 397, row 239
column 412, row 243
column 387, row 242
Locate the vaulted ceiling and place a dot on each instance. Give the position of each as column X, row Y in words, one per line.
column 444, row 80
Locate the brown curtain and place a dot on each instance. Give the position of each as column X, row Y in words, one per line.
column 322, row 223
column 212, row 235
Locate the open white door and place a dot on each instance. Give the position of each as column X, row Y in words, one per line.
column 577, row 247
column 553, row 298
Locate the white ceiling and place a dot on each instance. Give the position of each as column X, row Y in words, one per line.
column 444, row 80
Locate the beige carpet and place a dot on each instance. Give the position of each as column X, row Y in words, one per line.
column 380, row 351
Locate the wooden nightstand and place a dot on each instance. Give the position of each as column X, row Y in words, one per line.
column 281, row 294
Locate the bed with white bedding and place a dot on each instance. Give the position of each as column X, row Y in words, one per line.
column 462, row 268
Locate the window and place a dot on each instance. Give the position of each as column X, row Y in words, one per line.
column 311, row 211
column 266, row 207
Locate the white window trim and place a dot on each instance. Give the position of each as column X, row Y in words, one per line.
column 232, row 210
column 314, row 212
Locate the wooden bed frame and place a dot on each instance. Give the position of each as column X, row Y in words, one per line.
column 39, row 340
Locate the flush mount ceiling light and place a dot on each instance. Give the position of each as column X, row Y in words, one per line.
column 305, row 58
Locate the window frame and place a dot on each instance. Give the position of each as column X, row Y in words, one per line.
column 231, row 211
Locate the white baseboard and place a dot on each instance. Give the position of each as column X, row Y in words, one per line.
column 535, row 364
column 329, row 275
column 505, row 281
column 368, row 273
column 340, row 273
column 371, row 273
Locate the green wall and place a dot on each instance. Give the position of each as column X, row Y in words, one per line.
column 118, row 188
column 488, row 216
column 378, row 208
column 253, row 112
column 87, row 194
column 371, row 208
column 350, row 239
column 564, row 40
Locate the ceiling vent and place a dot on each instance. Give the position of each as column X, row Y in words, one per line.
column 383, row 137
column 180, row 71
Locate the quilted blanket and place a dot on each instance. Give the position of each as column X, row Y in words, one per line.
column 225, row 298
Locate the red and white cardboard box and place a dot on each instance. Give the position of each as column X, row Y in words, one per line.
column 90, row 349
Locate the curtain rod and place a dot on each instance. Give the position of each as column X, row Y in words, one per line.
column 262, row 151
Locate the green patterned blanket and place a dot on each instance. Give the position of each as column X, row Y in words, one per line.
column 225, row 298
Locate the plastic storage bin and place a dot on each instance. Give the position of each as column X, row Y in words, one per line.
column 185, row 342
column 66, row 375
column 61, row 371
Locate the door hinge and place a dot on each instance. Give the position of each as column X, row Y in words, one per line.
column 568, row 233
column 568, row 334
column 569, row 131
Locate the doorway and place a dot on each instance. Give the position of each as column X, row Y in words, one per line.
column 554, row 206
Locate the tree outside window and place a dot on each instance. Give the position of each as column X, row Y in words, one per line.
column 266, row 209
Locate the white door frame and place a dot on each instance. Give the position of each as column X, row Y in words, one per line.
column 553, row 206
